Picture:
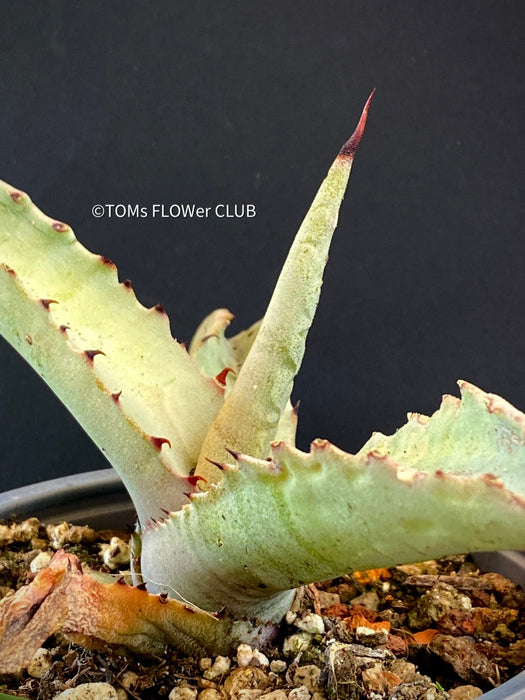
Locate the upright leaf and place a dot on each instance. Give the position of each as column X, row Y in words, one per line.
column 248, row 420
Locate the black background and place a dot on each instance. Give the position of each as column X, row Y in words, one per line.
column 208, row 102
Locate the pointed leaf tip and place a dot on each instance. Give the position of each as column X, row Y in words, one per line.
column 350, row 147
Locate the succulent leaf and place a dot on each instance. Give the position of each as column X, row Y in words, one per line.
column 243, row 341
column 114, row 364
column 63, row 599
column 209, row 346
column 222, row 358
column 268, row 527
column 494, row 428
column 247, row 422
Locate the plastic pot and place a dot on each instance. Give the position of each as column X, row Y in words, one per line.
column 99, row 499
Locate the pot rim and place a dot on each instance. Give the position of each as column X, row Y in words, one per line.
column 96, row 497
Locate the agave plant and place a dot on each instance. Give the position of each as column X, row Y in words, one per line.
column 232, row 516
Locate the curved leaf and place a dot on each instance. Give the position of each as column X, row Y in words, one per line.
column 113, row 363
column 268, row 527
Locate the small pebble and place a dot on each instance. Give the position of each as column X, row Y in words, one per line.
column 57, row 534
column 463, row 655
column 244, row 655
column 40, row 663
column 369, row 600
column 327, row 599
column 311, row 623
column 290, row 617
column 210, row 694
column 28, row 529
column 422, row 567
column 62, row 534
column 89, row 691
column 274, row 695
column 205, row 663
column 296, row 643
column 242, row 680
column 247, row 694
column 220, row 667
column 378, row 680
column 434, row 604
column 300, row 693
column 259, row 659
column 183, row 692
column 278, row 666
column 307, row 676
column 465, row 692
column 41, row 561
column 130, row 680
column 115, row 553
column 406, row 670
column 347, row 592
column 6, row 535
column 367, row 635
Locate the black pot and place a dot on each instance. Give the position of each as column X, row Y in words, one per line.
column 100, row 500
